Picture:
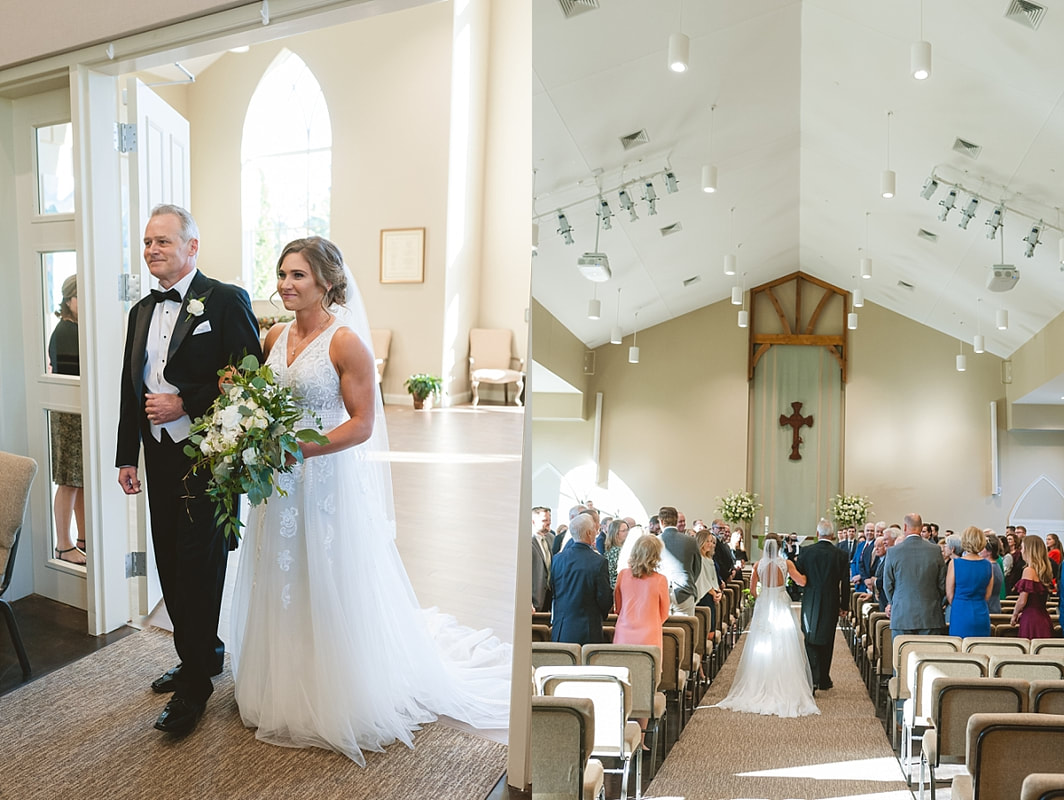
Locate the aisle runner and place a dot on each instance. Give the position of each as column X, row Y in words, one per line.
column 842, row 754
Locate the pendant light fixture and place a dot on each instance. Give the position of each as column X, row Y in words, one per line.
column 709, row 170
column 633, row 351
column 736, row 295
column 594, row 305
column 866, row 260
column 887, row 179
column 978, row 342
column 679, row 48
column 744, row 315
column 615, row 332
column 851, row 320
column 1060, row 244
column 962, row 360
column 858, row 298
column 920, row 53
column 729, row 259
column 1002, row 319
column 535, row 225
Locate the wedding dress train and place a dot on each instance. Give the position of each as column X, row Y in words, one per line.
column 330, row 647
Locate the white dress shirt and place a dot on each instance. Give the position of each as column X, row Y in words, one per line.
column 160, row 332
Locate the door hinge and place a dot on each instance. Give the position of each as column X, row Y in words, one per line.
column 125, row 137
column 136, row 565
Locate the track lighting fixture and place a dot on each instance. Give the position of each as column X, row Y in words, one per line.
column 651, row 198
column 968, row 212
column 564, row 228
column 605, row 214
column 930, row 185
column 997, row 216
column 1031, row 239
column 947, row 203
column 627, row 204
column 671, row 184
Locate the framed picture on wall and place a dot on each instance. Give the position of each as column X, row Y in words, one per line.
column 403, row 255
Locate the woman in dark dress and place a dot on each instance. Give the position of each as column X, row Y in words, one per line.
column 1030, row 612
column 66, row 433
column 969, row 584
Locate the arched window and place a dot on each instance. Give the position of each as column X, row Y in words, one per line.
column 286, row 168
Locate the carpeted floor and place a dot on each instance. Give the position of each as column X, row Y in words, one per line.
column 86, row 731
column 843, row 753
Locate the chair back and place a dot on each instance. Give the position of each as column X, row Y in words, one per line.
column 643, row 662
column 563, row 730
column 690, row 627
column 1043, row 786
column 925, row 667
column 1047, row 697
column 705, row 614
column 491, row 348
column 884, row 639
column 671, row 647
column 954, row 700
column 555, row 654
column 1028, row 666
column 541, row 618
column 541, row 633
column 995, row 645
column 612, row 698
column 16, row 477
column 1049, row 646
column 907, row 643
column 1000, row 746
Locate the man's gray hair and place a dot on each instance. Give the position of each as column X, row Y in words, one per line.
column 189, row 229
column 824, row 529
column 583, row 528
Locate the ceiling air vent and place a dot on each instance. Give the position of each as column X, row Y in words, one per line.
column 967, row 148
column 906, row 286
column 692, row 279
column 1027, row 14
column 669, row 230
column 634, row 139
column 923, row 233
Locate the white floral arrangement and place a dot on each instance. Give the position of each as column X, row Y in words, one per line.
column 850, row 510
column 246, row 438
column 738, row 506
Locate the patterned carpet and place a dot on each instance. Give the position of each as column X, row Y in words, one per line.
column 86, row 731
column 843, row 753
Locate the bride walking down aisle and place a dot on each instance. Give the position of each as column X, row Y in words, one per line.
column 330, row 647
column 773, row 677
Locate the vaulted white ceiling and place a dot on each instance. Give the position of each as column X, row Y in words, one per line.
column 799, row 137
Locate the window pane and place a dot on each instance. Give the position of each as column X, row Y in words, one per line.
column 68, row 498
column 55, row 169
column 60, row 312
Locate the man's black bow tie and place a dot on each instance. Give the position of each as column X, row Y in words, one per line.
column 172, row 294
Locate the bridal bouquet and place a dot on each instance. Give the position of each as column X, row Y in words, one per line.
column 849, row 510
column 738, row 506
column 246, row 437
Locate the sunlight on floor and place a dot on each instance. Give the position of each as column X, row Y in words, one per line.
column 899, row 795
column 868, row 769
column 412, row 457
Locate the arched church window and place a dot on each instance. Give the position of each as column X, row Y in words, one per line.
column 286, row 168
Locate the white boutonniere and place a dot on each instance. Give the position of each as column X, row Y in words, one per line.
column 195, row 308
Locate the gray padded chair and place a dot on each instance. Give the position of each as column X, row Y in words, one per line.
column 16, row 477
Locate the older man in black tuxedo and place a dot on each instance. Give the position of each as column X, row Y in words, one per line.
column 178, row 340
column 827, row 592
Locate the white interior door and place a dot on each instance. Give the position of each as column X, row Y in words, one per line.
column 159, row 173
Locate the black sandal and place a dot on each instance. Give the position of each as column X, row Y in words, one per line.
column 80, row 544
column 59, row 555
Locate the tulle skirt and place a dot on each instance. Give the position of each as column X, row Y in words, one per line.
column 773, row 676
column 330, row 647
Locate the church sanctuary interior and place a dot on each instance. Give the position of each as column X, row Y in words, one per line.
column 769, row 257
column 401, row 130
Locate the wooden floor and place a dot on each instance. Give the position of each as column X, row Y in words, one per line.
column 456, row 475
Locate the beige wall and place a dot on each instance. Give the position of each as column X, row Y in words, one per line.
column 917, row 431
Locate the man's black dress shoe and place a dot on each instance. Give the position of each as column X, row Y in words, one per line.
column 827, row 686
column 166, row 682
column 180, row 716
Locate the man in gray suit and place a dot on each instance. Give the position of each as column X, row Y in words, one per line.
column 681, row 563
column 542, row 544
column 914, row 583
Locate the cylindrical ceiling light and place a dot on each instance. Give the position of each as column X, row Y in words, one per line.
column 1060, row 247
column 709, row 178
column 633, row 351
column 979, row 343
column 736, row 296
column 1002, row 319
column 866, row 268
column 858, row 298
column 616, row 336
column 744, row 318
column 962, row 362
column 851, row 320
column 679, row 52
column 535, row 237
column 920, row 60
column 729, row 264
column 887, row 179
column 594, row 308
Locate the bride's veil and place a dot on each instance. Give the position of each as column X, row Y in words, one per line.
column 374, row 451
column 771, row 569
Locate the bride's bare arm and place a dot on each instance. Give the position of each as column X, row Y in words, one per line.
column 796, row 576
column 753, row 583
column 357, row 385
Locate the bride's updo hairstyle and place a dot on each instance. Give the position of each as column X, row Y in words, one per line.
column 326, row 262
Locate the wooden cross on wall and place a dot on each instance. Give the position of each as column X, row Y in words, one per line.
column 796, row 421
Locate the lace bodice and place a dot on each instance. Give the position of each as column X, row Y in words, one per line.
column 312, row 377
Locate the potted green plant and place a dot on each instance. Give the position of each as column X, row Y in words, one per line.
column 421, row 386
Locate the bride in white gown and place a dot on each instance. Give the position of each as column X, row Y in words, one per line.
column 773, row 675
column 330, row 647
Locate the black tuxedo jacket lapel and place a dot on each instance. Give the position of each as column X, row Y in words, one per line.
column 139, row 354
column 199, row 289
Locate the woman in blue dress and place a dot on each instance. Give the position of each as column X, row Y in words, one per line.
column 969, row 584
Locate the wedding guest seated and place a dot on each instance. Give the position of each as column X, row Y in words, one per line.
column 738, row 553
column 580, row 579
column 707, row 586
column 1034, row 588
column 722, row 554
